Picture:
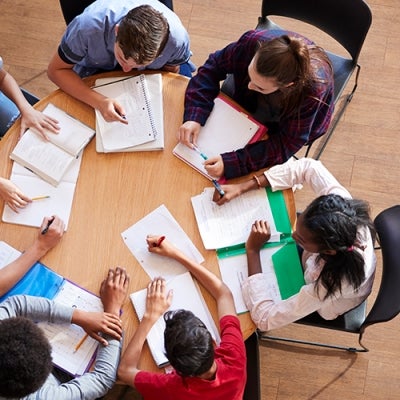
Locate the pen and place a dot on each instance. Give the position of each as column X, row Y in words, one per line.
column 158, row 244
column 40, row 197
column 80, row 343
column 214, row 181
column 195, row 148
column 218, row 187
column 49, row 222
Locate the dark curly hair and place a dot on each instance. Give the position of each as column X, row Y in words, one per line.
column 333, row 222
column 188, row 343
column 25, row 357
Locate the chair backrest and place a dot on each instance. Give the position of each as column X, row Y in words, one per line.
column 387, row 303
column 347, row 21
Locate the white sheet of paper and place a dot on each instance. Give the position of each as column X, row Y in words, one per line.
column 230, row 224
column 159, row 222
column 234, row 271
column 59, row 203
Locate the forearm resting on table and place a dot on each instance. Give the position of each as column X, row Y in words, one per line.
column 14, row 271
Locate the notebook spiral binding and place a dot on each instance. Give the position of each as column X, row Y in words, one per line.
column 145, row 91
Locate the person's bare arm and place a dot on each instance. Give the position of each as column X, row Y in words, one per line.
column 157, row 302
column 210, row 281
column 13, row 272
column 30, row 118
column 66, row 79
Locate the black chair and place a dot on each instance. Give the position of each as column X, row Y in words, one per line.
column 346, row 21
column 9, row 111
column 72, row 8
column 387, row 303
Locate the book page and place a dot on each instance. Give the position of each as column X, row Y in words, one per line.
column 186, row 295
column 133, row 95
column 159, row 222
column 230, row 224
column 42, row 157
column 65, row 337
column 7, row 254
column 227, row 129
column 234, row 271
column 73, row 135
column 58, row 203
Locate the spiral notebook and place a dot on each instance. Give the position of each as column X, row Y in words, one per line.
column 141, row 97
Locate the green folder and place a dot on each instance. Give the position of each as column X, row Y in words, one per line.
column 286, row 261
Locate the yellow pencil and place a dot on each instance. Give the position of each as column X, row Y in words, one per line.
column 80, row 343
column 40, row 197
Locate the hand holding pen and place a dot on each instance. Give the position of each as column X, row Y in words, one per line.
column 214, row 181
column 50, row 232
column 159, row 245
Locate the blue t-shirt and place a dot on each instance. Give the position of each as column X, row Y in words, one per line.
column 89, row 39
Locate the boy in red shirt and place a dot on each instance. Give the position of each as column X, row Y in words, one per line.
column 201, row 370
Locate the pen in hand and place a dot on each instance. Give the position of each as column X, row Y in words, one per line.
column 158, row 244
column 214, row 181
column 218, row 187
column 49, row 222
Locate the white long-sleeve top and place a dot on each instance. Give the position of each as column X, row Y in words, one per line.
column 268, row 314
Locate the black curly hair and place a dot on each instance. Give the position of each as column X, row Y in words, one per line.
column 25, row 357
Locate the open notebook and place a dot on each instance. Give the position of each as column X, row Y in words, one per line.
column 53, row 200
column 186, row 295
column 42, row 281
column 141, row 97
column 228, row 128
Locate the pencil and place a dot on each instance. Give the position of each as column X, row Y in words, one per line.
column 40, row 197
column 80, row 343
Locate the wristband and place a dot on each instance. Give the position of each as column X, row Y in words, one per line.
column 257, row 181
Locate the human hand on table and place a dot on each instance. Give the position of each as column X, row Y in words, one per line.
column 158, row 300
column 50, row 233
column 231, row 191
column 159, row 245
column 259, row 234
column 94, row 323
column 39, row 122
column 188, row 133
column 12, row 195
column 114, row 289
column 112, row 111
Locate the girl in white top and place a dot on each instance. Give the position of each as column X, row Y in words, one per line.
column 337, row 235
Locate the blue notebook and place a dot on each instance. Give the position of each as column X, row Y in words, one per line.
column 41, row 281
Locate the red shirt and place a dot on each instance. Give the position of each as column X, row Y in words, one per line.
column 230, row 378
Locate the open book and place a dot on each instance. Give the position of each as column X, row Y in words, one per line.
column 51, row 159
column 51, row 200
column 186, row 295
column 226, row 228
column 141, row 97
column 42, row 281
column 159, row 222
column 228, row 128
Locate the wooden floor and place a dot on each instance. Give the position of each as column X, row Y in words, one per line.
column 364, row 154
